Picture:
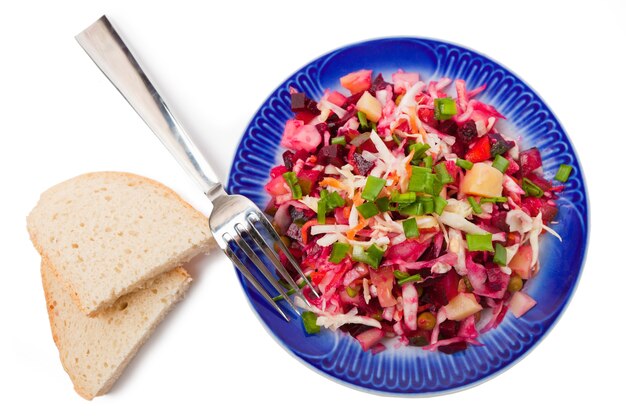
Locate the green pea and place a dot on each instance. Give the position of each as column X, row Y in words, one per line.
column 426, row 321
column 515, row 284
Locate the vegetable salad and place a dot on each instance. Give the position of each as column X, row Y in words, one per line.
column 417, row 220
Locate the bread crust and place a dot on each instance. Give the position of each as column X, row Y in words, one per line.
column 141, row 282
column 48, row 273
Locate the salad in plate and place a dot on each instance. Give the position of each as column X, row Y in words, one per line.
column 414, row 217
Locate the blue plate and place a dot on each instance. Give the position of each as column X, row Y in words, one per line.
column 410, row 370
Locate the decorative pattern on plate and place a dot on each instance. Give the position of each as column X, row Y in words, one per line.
column 410, row 370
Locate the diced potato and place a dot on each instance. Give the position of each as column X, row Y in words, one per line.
column 462, row 306
column 520, row 263
column 521, row 303
column 370, row 106
column 357, row 81
column 483, row 180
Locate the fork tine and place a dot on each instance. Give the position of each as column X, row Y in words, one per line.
column 246, row 273
column 273, row 256
column 261, row 266
column 263, row 220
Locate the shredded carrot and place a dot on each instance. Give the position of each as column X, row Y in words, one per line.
column 420, row 128
column 394, row 179
column 346, row 211
column 413, row 119
column 333, row 182
column 408, row 166
column 306, row 226
column 305, row 230
column 350, row 234
column 357, row 198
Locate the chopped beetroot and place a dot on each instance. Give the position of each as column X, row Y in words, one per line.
column 334, row 123
column 369, row 146
column 278, row 171
column 543, row 183
column 307, row 178
column 453, row 169
column 548, row 211
column 530, row 160
column 436, row 293
column 305, row 116
column 450, row 284
column 467, row 132
column 499, row 145
column 271, row 207
column 513, row 167
column 453, row 348
column 321, row 128
column 449, row 127
column 300, row 102
column 448, row 329
column 294, row 232
column 352, row 100
column 498, row 221
column 277, row 186
column 427, row 115
column 298, row 214
column 288, row 160
column 331, row 154
column 532, row 205
column 459, row 148
column 379, row 83
column 362, row 165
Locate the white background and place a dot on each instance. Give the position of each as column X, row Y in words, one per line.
column 215, row 64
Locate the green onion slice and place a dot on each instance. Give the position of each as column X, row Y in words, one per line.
column 563, row 173
column 410, row 228
column 339, row 252
column 373, row 187
column 367, row 209
column 500, row 163
column 479, row 242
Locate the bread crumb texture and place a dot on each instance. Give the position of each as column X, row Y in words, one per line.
column 108, row 233
column 95, row 350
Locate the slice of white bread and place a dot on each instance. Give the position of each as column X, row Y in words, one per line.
column 95, row 350
column 108, row 233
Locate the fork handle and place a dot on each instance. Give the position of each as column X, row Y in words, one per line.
column 109, row 52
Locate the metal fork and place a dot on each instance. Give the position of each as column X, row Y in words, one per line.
column 235, row 221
